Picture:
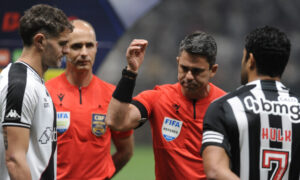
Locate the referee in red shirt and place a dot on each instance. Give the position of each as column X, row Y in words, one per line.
column 81, row 100
column 175, row 111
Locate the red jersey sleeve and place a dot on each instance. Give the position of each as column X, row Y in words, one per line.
column 148, row 98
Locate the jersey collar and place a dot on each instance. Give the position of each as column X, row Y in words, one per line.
column 33, row 70
column 204, row 100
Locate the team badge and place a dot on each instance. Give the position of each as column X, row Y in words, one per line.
column 171, row 128
column 63, row 121
column 98, row 124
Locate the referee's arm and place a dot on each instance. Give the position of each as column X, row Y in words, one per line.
column 216, row 163
column 121, row 115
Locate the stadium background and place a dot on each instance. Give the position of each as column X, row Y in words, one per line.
column 163, row 23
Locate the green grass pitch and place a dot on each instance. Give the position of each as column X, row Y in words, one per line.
column 140, row 166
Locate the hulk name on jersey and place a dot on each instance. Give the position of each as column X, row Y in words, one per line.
column 285, row 106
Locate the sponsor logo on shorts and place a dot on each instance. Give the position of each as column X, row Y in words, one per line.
column 171, row 128
column 98, row 124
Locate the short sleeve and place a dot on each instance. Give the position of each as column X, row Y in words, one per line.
column 29, row 106
column 20, row 106
column 147, row 99
column 214, row 131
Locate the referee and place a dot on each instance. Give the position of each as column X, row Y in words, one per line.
column 175, row 111
column 254, row 132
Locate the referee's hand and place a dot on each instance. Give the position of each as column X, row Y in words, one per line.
column 135, row 54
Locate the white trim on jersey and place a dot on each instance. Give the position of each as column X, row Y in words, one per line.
column 242, row 122
column 17, row 124
column 212, row 136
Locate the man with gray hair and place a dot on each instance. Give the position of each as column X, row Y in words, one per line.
column 175, row 111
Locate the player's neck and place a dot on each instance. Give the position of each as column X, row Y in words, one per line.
column 79, row 78
column 33, row 59
column 253, row 77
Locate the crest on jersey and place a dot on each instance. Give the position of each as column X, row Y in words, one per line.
column 171, row 128
column 63, row 121
column 98, row 124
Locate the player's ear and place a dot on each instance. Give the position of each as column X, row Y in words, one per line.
column 251, row 61
column 39, row 41
column 213, row 70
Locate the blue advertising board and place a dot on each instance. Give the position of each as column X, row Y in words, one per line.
column 99, row 13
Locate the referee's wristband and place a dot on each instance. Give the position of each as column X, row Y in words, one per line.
column 125, row 87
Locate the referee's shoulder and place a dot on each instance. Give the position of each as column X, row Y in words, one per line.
column 104, row 85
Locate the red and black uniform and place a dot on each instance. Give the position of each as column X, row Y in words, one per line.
column 83, row 138
column 177, row 126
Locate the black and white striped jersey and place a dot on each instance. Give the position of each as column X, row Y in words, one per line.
column 258, row 125
column 25, row 102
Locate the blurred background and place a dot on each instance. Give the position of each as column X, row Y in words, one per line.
column 164, row 23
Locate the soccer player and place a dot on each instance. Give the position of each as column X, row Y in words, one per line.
column 254, row 132
column 81, row 100
column 175, row 111
column 27, row 114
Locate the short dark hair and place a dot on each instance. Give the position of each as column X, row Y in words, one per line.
column 270, row 48
column 45, row 19
column 201, row 44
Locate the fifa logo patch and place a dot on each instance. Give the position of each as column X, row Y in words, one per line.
column 63, row 121
column 98, row 124
column 171, row 128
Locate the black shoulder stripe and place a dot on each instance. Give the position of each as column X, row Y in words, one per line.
column 17, row 77
column 239, row 91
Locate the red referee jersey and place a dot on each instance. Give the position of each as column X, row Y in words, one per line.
column 83, row 139
column 177, row 126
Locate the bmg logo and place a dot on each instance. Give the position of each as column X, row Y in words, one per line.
column 291, row 109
